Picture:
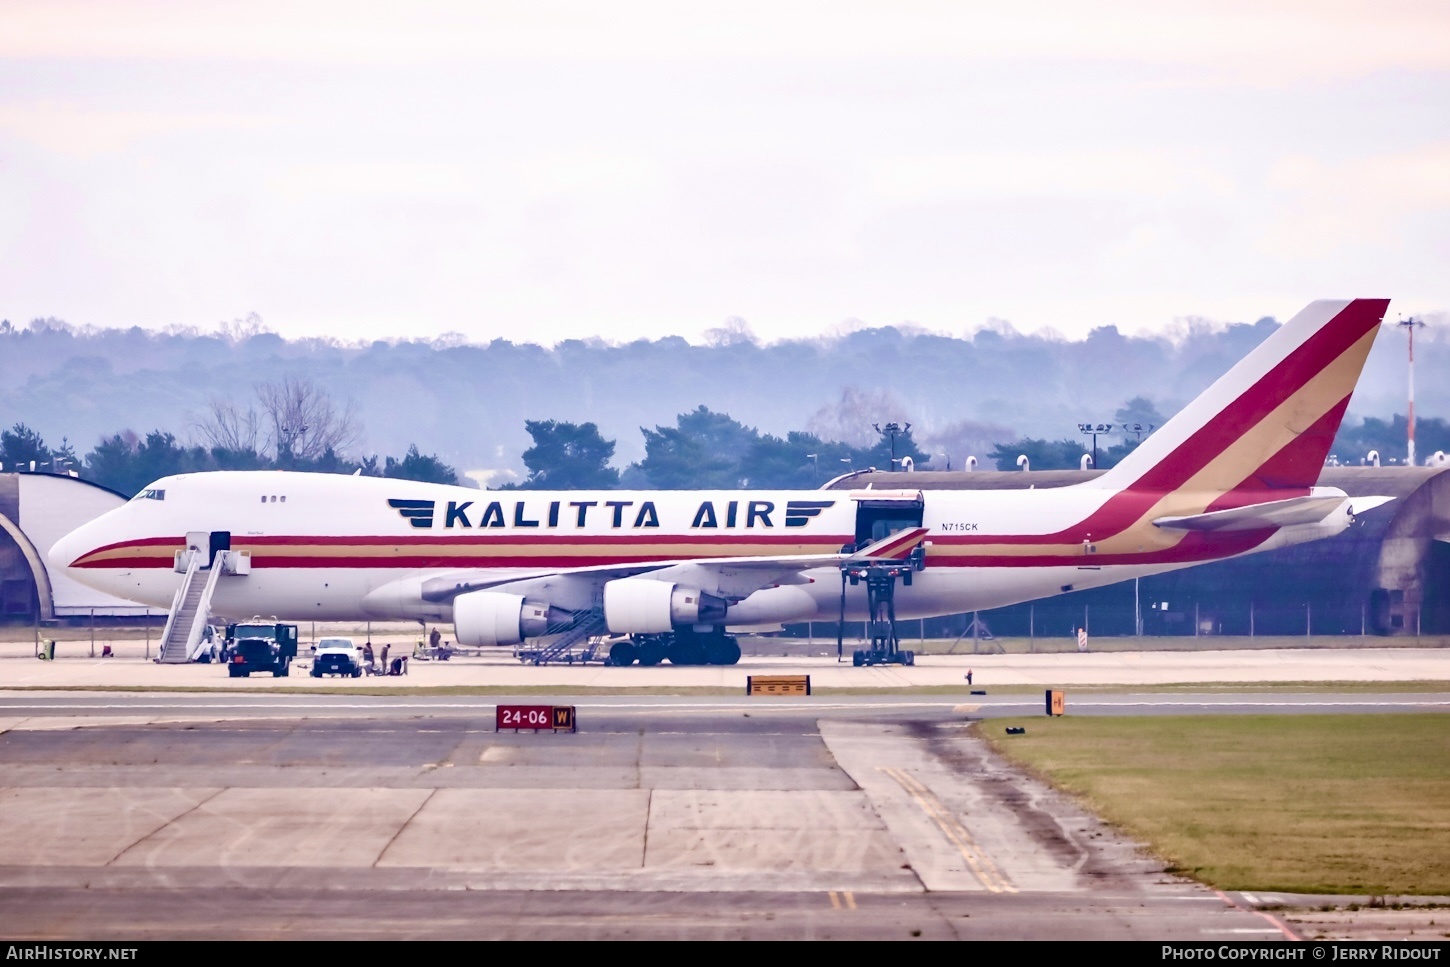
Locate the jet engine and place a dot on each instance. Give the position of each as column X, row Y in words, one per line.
column 495, row 618
column 639, row 606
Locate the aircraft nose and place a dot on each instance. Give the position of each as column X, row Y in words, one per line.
column 66, row 551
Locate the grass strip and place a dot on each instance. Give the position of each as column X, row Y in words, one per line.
column 1355, row 804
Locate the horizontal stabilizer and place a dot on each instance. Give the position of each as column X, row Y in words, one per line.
column 1276, row 513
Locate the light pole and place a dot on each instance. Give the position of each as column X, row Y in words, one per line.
column 815, row 466
column 948, row 457
column 891, row 429
column 1410, row 325
column 1092, row 430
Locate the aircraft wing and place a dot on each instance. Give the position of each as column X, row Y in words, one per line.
column 733, row 577
column 1275, row 513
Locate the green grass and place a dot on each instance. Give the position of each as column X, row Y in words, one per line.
column 1295, row 803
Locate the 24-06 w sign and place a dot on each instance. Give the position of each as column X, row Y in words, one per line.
column 553, row 718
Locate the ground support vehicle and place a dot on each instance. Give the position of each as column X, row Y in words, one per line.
column 260, row 645
column 337, row 656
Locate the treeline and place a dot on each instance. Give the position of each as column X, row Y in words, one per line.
column 293, row 425
column 1388, row 439
column 703, row 450
column 964, row 394
column 706, row 450
column 126, row 462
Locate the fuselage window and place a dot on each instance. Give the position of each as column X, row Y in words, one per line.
column 264, row 498
column 284, row 498
column 274, row 498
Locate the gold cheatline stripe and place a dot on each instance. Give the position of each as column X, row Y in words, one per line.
column 982, row 866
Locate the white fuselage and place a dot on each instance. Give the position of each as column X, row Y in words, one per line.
column 328, row 547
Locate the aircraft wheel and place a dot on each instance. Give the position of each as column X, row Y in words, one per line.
column 651, row 653
column 725, row 651
column 687, row 653
column 622, row 654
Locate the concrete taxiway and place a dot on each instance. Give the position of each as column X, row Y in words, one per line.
column 75, row 667
column 267, row 810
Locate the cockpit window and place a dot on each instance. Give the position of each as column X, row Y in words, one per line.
column 150, row 495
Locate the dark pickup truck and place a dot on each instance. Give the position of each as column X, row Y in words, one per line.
column 259, row 646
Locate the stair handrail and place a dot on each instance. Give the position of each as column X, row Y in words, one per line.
column 203, row 604
column 584, row 627
column 191, row 569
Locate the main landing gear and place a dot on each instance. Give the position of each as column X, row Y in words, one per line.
column 685, row 647
column 885, row 648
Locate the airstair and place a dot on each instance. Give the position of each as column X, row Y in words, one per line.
column 191, row 608
column 586, row 627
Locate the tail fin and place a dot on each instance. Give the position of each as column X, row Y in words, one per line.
column 1268, row 423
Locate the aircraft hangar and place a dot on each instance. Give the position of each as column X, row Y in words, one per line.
column 36, row 510
column 1388, row 575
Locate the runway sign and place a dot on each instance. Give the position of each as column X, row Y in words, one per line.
column 778, row 685
column 551, row 718
column 1056, row 701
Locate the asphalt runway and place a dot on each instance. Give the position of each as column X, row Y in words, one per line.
column 253, row 814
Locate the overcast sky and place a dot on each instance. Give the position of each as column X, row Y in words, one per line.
column 547, row 170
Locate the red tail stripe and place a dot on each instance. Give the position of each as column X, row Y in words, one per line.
column 1288, row 377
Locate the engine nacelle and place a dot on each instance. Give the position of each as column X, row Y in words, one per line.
column 639, row 606
column 495, row 618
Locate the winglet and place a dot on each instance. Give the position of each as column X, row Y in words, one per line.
column 896, row 547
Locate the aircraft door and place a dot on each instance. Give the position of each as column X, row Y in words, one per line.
column 879, row 514
column 219, row 541
column 198, row 543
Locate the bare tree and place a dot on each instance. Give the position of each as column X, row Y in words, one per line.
column 303, row 421
column 850, row 419
column 733, row 332
column 240, row 330
column 951, row 445
column 227, row 426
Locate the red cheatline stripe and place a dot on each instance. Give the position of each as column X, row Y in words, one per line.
column 165, row 547
column 1194, row 547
